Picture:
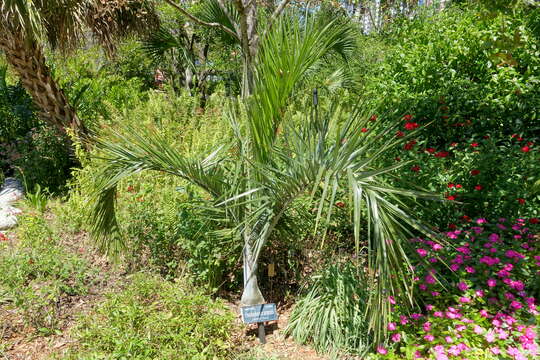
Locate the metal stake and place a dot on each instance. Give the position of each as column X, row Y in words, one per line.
column 262, row 335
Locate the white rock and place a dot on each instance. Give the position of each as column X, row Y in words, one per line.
column 8, row 218
column 10, row 192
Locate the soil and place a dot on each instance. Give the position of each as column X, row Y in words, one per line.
column 19, row 341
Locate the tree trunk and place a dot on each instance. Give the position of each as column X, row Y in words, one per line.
column 29, row 62
column 252, row 294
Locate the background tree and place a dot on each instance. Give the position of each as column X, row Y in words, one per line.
column 240, row 19
column 26, row 27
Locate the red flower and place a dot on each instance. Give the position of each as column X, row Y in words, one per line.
column 486, row 137
column 411, row 126
column 400, row 134
column 364, row 130
column 409, row 145
column 441, row 154
column 373, row 118
column 478, row 187
column 450, row 185
column 3, row 237
column 407, row 117
column 530, row 143
column 340, row 204
column 430, row 150
column 397, row 158
column 519, row 139
column 445, row 117
column 458, row 186
column 450, row 197
column 521, row 201
column 452, row 226
column 465, row 218
column 534, row 220
column 415, row 168
column 475, row 172
column 474, row 144
column 525, row 149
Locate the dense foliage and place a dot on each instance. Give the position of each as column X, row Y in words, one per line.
column 339, row 123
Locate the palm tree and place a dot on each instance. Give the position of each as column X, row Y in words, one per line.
column 27, row 25
column 272, row 160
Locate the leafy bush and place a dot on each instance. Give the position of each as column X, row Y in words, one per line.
column 155, row 319
column 37, row 152
column 480, row 176
column 37, row 274
column 331, row 315
column 16, row 110
column 484, row 304
column 472, row 81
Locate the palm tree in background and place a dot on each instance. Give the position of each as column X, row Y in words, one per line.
column 272, row 159
column 28, row 26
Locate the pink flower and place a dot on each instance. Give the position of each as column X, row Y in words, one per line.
column 438, row 314
column 516, row 305
column 448, row 339
column 495, row 350
column 462, row 286
column 464, row 300
column 490, row 336
column 392, row 326
column 396, row 337
column 426, row 326
column 478, row 329
column 382, row 350
column 491, row 282
column 437, row 247
column 479, row 293
column 403, row 319
column 429, row 337
column 470, row 269
column 392, row 300
column 494, row 237
column 421, row 252
column 484, row 313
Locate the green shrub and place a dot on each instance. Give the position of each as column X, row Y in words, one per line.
column 331, row 315
column 472, row 81
column 155, row 319
column 37, row 274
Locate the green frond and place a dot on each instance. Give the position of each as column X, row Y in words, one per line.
column 130, row 152
column 286, row 55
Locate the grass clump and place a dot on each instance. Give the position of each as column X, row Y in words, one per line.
column 38, row 275
column 331, row 314
column 155, row 319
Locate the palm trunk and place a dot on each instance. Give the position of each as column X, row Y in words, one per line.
column 252, row 294
column 29, row 62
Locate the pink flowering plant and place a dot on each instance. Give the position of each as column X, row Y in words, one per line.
column 479, row 296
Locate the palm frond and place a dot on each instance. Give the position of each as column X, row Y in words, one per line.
column 211, row 12
column 160, row 42
column 130, row 152
column 286, row 54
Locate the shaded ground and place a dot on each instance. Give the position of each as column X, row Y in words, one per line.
column 20, row 341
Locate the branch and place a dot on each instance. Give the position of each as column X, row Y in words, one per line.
column 275, row 15
column 228, row 14
column 199, row 21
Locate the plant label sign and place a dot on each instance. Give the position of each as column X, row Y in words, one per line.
column 259, row 313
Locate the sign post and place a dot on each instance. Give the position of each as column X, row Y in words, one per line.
column 259, row 314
